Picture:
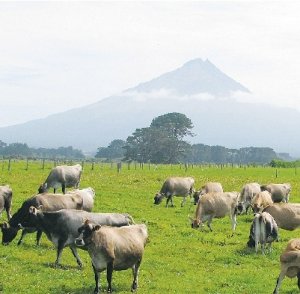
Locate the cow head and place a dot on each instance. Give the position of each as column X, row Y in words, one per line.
column 158, row 198
column 195, row 223
column 196, row 197
column 240, row 208
column 8, row 233
column 85, row 232
column 42, row 188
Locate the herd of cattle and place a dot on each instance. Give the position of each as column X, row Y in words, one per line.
column 115, row 242
column 268, row 202
column 112, row 240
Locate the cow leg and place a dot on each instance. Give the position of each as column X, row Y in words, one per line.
column 298, row 276
column 183, row 201
column 60, row 248
column 279, row 281
column 209, row 222
column 8, row 210
column 54, row 190
column 63, row 187
column 109, row 271
column 233, row 221
column 135, row 272
column 75, row 253
column 24, row 232
column 169, row 197
column 96, row 290
column 38, row 237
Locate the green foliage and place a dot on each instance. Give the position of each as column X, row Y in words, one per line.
column 114, row 150
column 162, row 142
column 21, row 150
column 285, row 164
column 177, row 258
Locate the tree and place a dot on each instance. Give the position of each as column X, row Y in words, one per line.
column 114, row 150
column 162, row 142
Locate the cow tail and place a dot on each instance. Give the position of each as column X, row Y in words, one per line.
column 131, row 220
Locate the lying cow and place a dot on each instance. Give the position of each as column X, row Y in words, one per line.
column 248, row 192
column 114, row 249
column 5, row 200
column 216, row 205
column 61, row 227
column 261, row 200
column 264, row 230
column 207, row 188
column 290, row 263
column 175, row 186
column 286, row 215
column 78, row 199
column 279, row 192
column 64, row 176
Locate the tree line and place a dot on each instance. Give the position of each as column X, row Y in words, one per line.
column 21, row 150
column 163, row 142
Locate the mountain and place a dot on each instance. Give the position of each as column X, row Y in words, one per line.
column 194, row 77
column 198, row 89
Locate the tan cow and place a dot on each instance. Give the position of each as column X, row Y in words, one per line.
column 216, row 205
column 207, row 188
column 6, row 200
column 260, row 201
column 113, row 248
column 290, row 263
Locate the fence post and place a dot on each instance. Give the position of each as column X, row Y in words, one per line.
column 26, row 168
column 119, row 166
column 93, row 165
column 9, row 165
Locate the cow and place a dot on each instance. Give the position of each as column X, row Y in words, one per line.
column 264, row 230
column 79, row 199
column 6, row 200
column 64, row 176
column 61, row 227
column 290, row 263
column 279, row 192
column 207, row 188
column 175, row 186
column 286, row 215
column 216, row 205
column 260, row 201
column 114, row 249
column 248, row 192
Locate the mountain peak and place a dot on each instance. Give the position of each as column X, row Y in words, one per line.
column 194, row 77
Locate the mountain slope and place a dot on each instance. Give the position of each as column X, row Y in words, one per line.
column 216, row 121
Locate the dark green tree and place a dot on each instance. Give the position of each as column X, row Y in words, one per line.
column 162, row 142
column 114, row 150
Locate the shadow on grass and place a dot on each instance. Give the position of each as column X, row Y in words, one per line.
column 62, row 267
column 88, row 289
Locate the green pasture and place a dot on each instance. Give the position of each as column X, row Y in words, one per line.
column 177, row 259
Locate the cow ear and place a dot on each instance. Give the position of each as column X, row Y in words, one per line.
column 86, row 222
column 32, row 210
column 96, row 227
column 5, row 225
column 40, row 207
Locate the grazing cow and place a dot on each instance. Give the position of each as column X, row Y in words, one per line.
column 64, row 176
column 114, row 249
column 175, row 186
column 286, row 215
column 264, row 230
column 290, row 263
column 248, row 192
column 207, row 188
column 61, row 227
column 5, row 200
column 79, row 199
column 260, row 201
column 216, row 205
column 279, row 192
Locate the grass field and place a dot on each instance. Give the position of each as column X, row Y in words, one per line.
column 177, row 258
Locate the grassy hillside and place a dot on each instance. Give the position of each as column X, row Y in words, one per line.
column 177, row 258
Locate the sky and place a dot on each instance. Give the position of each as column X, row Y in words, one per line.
column 56, row 56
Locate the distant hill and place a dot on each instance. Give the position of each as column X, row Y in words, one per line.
column 198, row 89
